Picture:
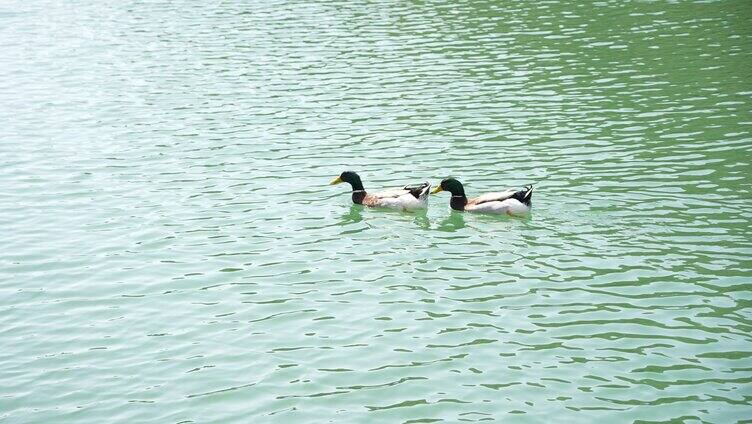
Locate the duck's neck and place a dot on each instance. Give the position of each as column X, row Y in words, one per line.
column 358, row 192
column 458, row 202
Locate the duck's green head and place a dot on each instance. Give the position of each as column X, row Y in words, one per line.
column 451, row 185
column 349, row 177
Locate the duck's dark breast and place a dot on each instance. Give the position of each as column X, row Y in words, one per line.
column 458, row 203
column 358, row 197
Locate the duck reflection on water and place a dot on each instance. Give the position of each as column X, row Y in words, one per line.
column 453, row 222
column 355, row 214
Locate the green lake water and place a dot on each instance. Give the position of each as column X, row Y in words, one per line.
column 171, row 251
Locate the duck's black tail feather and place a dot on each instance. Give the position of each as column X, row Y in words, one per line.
column 418, row 190
column 525, row 195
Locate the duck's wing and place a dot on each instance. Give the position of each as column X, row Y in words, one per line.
column 513, row 202
column 388, row 193
column 416, row 190
column 492, row 197
column 409, row 197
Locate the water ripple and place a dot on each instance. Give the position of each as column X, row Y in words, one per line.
column 172, row 251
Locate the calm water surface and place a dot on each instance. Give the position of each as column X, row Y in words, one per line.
column 171, row 251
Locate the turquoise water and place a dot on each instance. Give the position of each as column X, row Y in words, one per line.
column 172, row 251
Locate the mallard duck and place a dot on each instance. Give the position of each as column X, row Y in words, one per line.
column 409, row 197
column 510, row 202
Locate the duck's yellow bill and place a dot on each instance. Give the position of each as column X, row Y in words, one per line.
column 438, row 189
column 335, row 181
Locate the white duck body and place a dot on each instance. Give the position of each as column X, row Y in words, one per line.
column 510, row 202
column 406, row 198
column 409, row 197
column 506, row 206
